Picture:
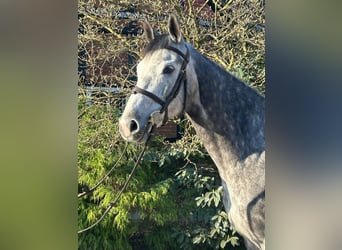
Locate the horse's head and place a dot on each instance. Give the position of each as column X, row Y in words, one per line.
column 160, row 91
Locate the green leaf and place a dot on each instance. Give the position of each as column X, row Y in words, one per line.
column 223, row 243
column 216, row 200
column 197, row 239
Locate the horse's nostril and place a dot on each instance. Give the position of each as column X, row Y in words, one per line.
column 133, row 126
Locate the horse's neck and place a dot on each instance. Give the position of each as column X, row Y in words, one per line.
column 227, row 115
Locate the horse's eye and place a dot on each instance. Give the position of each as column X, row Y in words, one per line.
column 168, row 69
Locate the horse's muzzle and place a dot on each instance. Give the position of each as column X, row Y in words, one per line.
column 132, row 131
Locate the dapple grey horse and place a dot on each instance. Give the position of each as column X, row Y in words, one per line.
column 228, row 116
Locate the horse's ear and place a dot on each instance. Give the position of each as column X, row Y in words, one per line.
column 148, row 31
column 174, row 29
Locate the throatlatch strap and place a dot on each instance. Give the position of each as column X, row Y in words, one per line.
column 180, row 77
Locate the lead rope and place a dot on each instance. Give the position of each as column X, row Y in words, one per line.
column 111, row 205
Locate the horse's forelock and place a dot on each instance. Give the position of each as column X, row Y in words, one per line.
column 159, row 42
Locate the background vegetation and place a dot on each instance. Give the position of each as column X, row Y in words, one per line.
column 173, row 200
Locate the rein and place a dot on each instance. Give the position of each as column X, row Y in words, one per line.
column 175, row 90
column 112, row 204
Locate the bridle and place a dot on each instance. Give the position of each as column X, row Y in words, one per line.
column 175, row 90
